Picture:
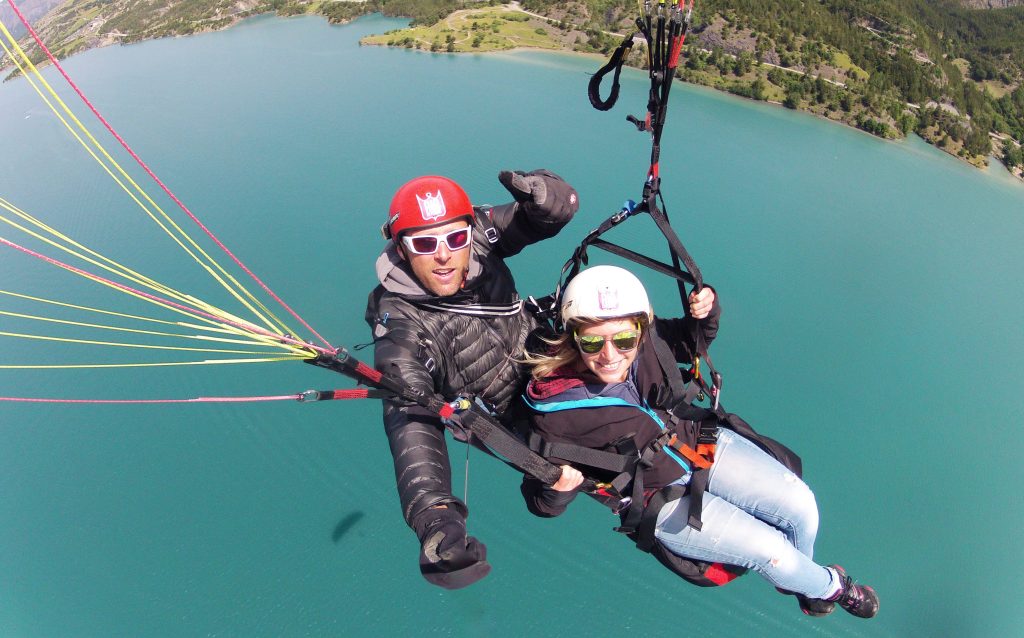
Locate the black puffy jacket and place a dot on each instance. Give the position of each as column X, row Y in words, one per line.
column 464, row 344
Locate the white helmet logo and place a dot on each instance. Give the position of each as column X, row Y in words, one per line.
column 431, row 206
column 608, row 298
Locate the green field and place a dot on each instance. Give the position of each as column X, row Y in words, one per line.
column 475, row 30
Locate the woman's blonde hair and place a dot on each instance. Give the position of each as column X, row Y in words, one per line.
column 562, row 351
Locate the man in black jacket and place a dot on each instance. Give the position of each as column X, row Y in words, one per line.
column 447, row 319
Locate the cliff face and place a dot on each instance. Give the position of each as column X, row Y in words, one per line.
column 32, row 9
column 78, row 25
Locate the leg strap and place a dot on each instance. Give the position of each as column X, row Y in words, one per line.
column 645, row 530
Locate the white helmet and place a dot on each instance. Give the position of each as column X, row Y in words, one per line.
column 604, row 292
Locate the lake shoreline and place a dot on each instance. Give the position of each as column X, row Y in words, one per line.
column 1018, row 172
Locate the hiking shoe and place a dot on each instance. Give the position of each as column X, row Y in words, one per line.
column 815, row 606
column 859, row 600
column 811, row 606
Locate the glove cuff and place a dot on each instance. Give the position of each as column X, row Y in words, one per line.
column 457, row 578
column 434, row 517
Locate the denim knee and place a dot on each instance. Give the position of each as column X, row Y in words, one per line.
column 803, row 512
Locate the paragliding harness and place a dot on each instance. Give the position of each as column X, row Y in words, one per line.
column 474, row 419
column 626, row 494
column 663, row 27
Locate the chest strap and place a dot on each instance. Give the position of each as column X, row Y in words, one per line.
column 612, row 461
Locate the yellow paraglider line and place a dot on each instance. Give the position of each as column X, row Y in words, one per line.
column 74, row 366
column 113, row 313
column 158, row 333
column 221, row 326
column 143, row 346
column 108, row 264
column 228, row 322
column 235, row 289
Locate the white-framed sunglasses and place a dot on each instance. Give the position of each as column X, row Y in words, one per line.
column 428, row 244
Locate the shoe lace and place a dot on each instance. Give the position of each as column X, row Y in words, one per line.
column 853, row 597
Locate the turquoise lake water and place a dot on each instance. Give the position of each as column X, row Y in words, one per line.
column 872, row 299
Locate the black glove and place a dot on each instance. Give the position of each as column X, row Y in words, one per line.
column 449, row 558
column 542, row 191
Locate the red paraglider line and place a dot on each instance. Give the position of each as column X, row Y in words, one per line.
column 162, row 301
column 156, row 179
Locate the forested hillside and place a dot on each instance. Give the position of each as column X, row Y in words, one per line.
column 890, row 67
column 950, row 73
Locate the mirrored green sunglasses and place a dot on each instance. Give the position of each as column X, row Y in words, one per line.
column 623, row 341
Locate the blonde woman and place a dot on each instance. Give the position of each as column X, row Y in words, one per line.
column 603, row 387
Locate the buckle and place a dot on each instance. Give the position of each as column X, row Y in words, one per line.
column 491, row 233
column 708, row 435
column 623, row 505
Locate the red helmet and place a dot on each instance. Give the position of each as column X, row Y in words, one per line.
column 426, row 201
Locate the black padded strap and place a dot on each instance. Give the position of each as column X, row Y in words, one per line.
column 698, row 485
column 614, row 63
column 675, row 245
column 514, row 451
column 669, row 367
column 643, row 260
column 579, row 454
column 483, row 216
column 645, row 530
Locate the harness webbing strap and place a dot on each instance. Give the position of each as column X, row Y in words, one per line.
column 698, row 485
column 637, row 506
column 676, row 247
column 483, row 216
column 308, row 395
column 482, row 427
column 670, row 368
column 645, row 529
column 697, row 458
column 590, row 457
column 643, row 260
column 514, row 451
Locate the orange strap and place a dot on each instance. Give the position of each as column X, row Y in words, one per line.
column 701, row 458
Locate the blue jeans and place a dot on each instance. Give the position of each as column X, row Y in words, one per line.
column 756, row 514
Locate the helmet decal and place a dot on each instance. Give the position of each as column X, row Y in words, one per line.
column 430, row 200
column 608, row 298
column 603, row 292
column 431, row 206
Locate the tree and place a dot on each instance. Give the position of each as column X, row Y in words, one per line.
column 846, row 102
column 1013, row 155
column 821, row 90
column 744, row 63
column 793, row 95
column 757, row 89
